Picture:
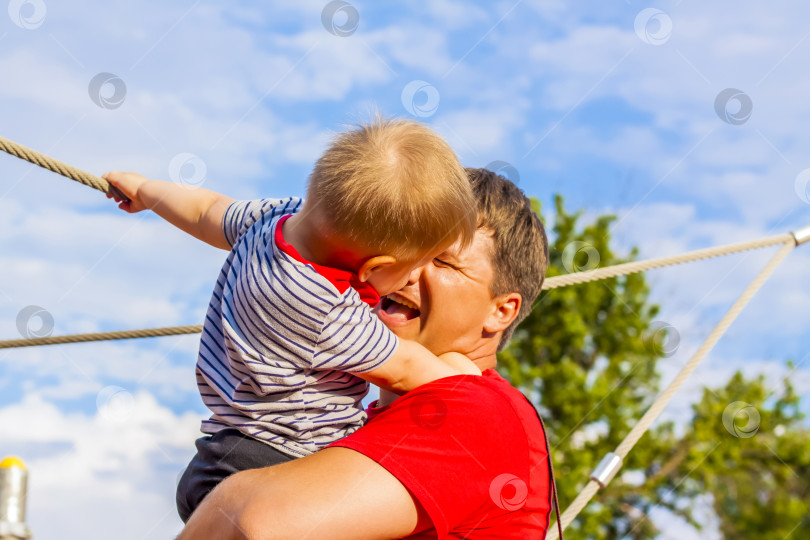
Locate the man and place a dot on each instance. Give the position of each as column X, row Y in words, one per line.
column 461, row 457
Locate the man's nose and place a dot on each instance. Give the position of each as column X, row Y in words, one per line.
column 415, row 274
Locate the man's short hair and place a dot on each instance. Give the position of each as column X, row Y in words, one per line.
column 520, row 246
column 394, row 186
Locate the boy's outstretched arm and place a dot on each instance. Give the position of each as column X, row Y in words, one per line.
column 412, row 365
column 197, row 211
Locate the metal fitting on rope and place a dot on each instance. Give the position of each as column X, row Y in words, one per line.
column 13, row 492
column 802, row 235
column 607, row 469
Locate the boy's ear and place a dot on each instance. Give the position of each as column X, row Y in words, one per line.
column 505, row 310
column 371, row 265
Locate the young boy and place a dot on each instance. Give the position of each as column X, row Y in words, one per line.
column 290, row 335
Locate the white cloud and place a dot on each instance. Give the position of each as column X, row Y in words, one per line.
column 630, row 146
column 101, row 476
column 415, row 46
column 663, row 229
column 81, row 266
column 584, row 50
column 165, row 366
column 479, row 134
column 39, row 82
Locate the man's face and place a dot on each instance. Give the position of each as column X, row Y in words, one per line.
column 395, row 276
column 445, row 303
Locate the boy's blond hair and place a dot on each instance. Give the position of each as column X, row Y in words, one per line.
column 395, row 187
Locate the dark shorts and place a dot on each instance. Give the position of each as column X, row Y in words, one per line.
column 219, row 456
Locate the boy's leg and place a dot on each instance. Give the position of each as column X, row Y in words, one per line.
column 219, row 456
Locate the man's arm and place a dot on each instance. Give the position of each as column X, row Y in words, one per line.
column 412, row 365
column 334, row 494
column 197, row 211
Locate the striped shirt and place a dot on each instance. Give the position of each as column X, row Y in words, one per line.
column 282, row 337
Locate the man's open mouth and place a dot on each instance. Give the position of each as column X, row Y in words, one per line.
column 398, row 307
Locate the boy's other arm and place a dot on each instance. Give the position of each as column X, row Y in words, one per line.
column 197, row 211
column 412, row 365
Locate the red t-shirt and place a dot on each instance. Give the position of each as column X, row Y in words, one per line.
column 471, row 450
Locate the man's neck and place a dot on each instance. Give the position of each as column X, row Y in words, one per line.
column 484, row 357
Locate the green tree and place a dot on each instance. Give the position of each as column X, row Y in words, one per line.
column 588, row 357
column 749, row 450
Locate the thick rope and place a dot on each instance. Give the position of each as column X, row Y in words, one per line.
column 640, row 266
column 101, row 336
column 69, row 171
column 652, row 413
column 550, row 283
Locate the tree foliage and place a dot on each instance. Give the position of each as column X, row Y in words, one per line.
column 588, row 357
column 749, row 450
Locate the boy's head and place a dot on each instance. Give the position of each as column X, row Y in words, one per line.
column 395, row 191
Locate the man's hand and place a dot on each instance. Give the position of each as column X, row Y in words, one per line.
column 461, row 363
column 129, row 184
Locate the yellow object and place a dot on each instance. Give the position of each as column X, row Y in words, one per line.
column 12, row 461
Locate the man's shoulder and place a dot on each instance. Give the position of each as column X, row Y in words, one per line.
column 481, row 391
column 454, row 443
column 484, row 399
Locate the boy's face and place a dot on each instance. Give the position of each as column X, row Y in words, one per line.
column 446, row 304
column 393, row 277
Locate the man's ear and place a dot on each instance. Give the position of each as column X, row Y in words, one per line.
column 373, row 264
column 505, row 310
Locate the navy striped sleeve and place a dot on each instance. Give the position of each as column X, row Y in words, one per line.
column 357, row 342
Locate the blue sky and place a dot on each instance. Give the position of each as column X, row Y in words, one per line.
column 608, row 104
